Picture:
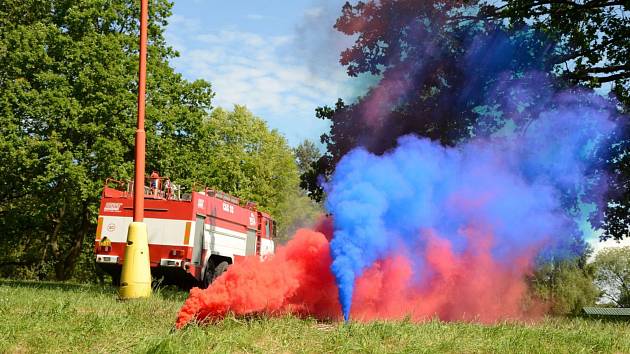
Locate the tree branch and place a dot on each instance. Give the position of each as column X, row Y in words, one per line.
column 607, row 69
column 602, row 79
column 590, row 49
column 576, row 6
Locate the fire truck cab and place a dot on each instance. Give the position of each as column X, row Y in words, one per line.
column 193, row 237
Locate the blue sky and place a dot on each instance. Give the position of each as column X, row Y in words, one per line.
column 279, row 58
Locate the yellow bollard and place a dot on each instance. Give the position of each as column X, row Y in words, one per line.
column 135, row 280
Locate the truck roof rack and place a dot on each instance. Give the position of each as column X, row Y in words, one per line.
column 222, row 195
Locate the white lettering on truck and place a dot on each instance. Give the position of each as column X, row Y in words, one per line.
column 228, row 208
column 112, row 207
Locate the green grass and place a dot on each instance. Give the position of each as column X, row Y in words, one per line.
column 54, row 317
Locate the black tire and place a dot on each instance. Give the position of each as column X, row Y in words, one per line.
column 220, row 269
column 116, row 279
column 208, row 275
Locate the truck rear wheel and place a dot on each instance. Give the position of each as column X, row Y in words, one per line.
column 220, row 269
column 208, row 275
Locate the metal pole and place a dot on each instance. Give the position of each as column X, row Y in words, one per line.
column 138, row 195
column 135, row 276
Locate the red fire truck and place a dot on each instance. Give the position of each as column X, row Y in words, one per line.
column 193, row 237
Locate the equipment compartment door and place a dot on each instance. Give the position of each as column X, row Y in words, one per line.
column 250, row 247
column 198, row 247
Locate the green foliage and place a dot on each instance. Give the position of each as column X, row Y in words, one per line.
column 592, row 37
column 301, row 212
column 238, row 154
column 305, row 155
column 612, row 270
column 424, row 47
column 68, row 72
column 567, row 286
column 592, row 50
column 249, row 160
column 68, row 95
column 53, row 317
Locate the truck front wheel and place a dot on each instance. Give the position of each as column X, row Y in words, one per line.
column 116, row 279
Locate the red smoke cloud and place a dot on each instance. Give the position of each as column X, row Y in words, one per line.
column 297, row 280
column 468, row 287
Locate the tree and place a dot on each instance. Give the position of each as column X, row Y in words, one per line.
column 305, row 155
column 68, row 86
column 566, row 286
column 593, row 36
column 244, row 157
column 435, row 76
column 68, row 79
column 612, row 271
column 594, row 51
column 438, row 65
column 301, row 212
column 237, row 153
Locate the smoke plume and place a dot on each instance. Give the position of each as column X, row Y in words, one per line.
column 426, row 231
column 297, row 280
column 445, row 226
column 492, row 201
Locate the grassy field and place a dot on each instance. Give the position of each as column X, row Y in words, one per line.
column 53, row 317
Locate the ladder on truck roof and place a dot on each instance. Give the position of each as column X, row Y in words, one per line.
column 221, row 195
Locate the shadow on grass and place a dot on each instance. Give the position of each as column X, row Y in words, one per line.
column 612, row 319
column 170, row 292
column 52, row 285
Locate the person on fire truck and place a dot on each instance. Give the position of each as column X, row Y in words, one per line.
column 155, row 183
column 168, row 188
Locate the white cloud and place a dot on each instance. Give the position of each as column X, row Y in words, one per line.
column 314, row 12
column 255, row 17
column 261, row 72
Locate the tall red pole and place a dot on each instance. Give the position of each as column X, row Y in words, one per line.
column 135, row 276
column 138, row 195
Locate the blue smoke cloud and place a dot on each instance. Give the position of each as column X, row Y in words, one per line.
column 524, row 188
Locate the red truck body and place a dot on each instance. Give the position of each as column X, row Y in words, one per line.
column 192, row 239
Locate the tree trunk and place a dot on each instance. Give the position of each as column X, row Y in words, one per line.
column 65, row 268
column 53, row 240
